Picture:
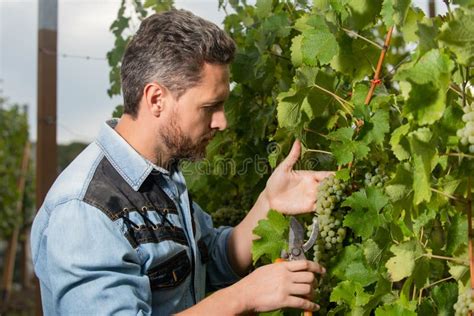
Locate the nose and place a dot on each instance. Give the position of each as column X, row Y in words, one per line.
column 219, row 121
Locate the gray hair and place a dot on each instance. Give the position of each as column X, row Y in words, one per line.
column 171, row 48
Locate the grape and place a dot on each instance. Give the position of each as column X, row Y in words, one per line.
column 330, row 218
column 376, row 179
column 466, row 134
column 464, row 304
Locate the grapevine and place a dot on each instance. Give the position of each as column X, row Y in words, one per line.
column 403, row 156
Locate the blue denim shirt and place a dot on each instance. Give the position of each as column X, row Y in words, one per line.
column 94, row 257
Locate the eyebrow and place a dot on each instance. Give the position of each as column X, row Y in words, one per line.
column 214, row 103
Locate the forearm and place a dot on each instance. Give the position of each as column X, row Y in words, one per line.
column 223, row 302
column 240, row 240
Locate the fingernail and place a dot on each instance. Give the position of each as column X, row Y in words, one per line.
column 317, row 307
column 323, row 269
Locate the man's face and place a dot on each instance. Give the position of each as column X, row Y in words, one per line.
column 197, row 115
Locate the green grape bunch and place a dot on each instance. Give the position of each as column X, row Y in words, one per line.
column 466, row 134
column 330, row 216
column 378, row 178
column 465, row 303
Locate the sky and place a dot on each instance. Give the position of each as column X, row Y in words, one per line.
column 83, row 30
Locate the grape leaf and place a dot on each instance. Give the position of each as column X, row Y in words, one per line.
column 318, row 45
column 316, row 42
column 362, row 13
column 288, row 108
column 445, row 296
column 457, row 233
column 424, row 160
column 458, row 35
column 351, row 266
column 376, row 127
column 263, row 8
column 402, row 264
column 344, row 148
column 273, row 233
column 394, row 11
column 350, row 293
column 393, row 310
column 364, row 217
column 429, row 78
column 387, row 12
column 399, row 143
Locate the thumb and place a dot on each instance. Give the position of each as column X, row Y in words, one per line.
column 293, row 156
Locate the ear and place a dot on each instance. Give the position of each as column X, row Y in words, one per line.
column 153, row 97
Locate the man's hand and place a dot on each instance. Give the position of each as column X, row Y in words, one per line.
column 279, row 285
column 293, row 191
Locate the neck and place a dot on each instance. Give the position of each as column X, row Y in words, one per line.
column 145, row 141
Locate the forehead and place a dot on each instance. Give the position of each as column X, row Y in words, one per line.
column 214, row 82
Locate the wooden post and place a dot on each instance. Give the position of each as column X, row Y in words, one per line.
column 46, row 148
column 431, row 8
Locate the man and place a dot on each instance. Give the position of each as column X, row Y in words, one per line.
column 118, row 232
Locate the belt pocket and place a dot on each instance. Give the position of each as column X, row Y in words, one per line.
column 170, row 273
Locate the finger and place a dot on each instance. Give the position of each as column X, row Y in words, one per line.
column 301, row 289
column 305, row 265
column 293, row 156
column 302, row 303
column 303, row 277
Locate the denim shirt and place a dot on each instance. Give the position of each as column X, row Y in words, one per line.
column 119, row 235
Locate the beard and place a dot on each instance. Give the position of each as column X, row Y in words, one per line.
column 182, row 147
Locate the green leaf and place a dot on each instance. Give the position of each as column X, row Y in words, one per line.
column 273, row 233
column 296, row 51
column 343, row 174
column 394, row 11
column 350, row 293
column 364, row 217
column 263, row 8
column 387, row 13
column 399, row 143
column 377, row 126
column 429, row 80
column 445, row 296
column 362, row 13
column 458, row 36
column 344, row 148
column 431, row 67
column 402, row 264
column 424, row 160
column 410, row 28
column 288, row 108
column 351, row 266
column 457, row 233
column 394, row 309
column 318, row 45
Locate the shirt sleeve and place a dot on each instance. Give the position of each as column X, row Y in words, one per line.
column 91, row 266
column 219, row 271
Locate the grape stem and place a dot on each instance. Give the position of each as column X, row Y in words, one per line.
column 462, row 155
column 346, row 105
column 350, row 32
column 319, row 151
column 452, row 197
column 430, row 285
column 431, row 256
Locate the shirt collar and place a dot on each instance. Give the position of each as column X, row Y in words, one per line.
column 132, row 166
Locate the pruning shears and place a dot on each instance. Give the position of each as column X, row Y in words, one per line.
column 296, row 244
